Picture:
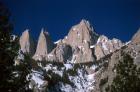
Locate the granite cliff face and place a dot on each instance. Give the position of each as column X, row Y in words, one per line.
column 27, row 44
column 44, row 46
column 80, row 38
column 80, row 34
column 82, row 44
column 62, row 53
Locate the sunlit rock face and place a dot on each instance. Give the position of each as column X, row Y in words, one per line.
column 44, row 46
column 27, row 44
column 81, row 34
column 80, row 37
column 105, row 46
column 61, row 53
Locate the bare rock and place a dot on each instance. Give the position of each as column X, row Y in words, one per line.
column 80, row 37
column 44, row 46
column 81, row 33
column 82, row 54
column 61, row 53
column 27, row 44
column 106, row 46
column 99, row 52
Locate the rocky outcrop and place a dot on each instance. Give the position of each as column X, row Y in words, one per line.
column 106, row 46
column 62, row 53
column 83, row 54
column 44, row 46
column 107, row 73
column 27, row 44
column 99, row 52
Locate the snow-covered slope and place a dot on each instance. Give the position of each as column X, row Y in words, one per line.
column 64, row 77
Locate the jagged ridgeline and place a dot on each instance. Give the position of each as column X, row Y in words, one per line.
column 80, row 62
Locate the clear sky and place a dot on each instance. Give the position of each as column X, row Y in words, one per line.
column 113, row 18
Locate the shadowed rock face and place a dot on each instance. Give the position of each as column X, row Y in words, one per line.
column 26, row 43
column 61, row 53
column 44, row 46
column 136, row 37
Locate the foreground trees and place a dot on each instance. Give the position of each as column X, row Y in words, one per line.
column 12, row 78
column 127, row 76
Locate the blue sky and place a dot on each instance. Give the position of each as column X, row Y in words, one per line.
column 113, row 18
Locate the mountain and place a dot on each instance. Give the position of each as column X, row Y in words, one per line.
column 81, row 62
column 81, row 33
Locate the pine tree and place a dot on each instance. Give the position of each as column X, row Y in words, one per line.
column 20, row 76
column 8, row 51
column 127, row 76
column 7, row 47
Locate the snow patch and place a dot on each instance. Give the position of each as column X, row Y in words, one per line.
column 66, row 37
column 74, row 59
column 68, row 66
column 37, row 80
column 78, row 34
column 104, row 46
column 127, row 42
column 13, row 37
column 74, row 28
column 92, row 46
column 85, row 41
column 57, row 41
column 115, row 40
column 50, row 55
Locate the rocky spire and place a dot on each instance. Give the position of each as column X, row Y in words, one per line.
column 44, row 46
column 26, row 43
column 81, row 33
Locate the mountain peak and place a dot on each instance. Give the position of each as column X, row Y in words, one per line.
column 85, row 22
column 44, row 46
column 26, row 42
column 26, row 31
column 81, row 33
